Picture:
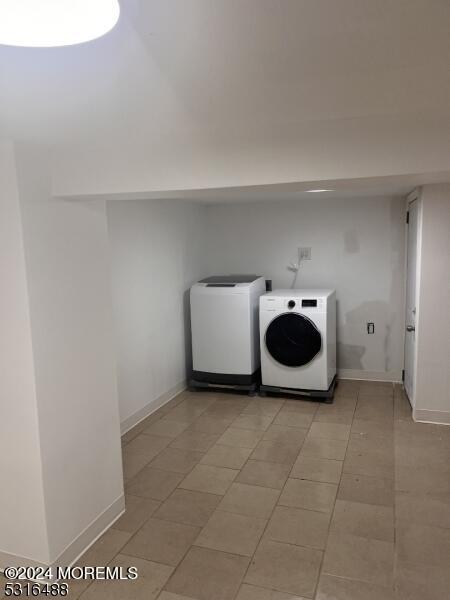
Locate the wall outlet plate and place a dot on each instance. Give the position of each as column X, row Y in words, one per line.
column 304, row 253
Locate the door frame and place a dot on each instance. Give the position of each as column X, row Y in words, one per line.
column 415, row 195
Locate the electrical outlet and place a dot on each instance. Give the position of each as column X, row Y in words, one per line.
column 304, row 253
column 370, row 328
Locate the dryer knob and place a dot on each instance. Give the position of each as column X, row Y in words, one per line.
column 291, row 304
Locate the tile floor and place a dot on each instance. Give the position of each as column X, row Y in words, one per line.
column 237, row 498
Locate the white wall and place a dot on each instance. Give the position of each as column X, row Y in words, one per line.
column 66, row 261
column 22, row 512
column 432, row 402
column 157, row 252
column 357, row 248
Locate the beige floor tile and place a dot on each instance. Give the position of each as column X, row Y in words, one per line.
column 359, row 558
column 253, row 592
column 370, row 463
column 285, row 567
column 336, row 588
column 293, row 419
column 198, row 398
column 133, row 463
column 423, row 480
column 166, row 428
column 176, row 460
column 153, row 483
column 185, row 413
column 206, row 478
column 253, row 422
column 222, row 412
column 317, row 469
column 369, row 490
column 375, row 409
column 105, row 548
column 152, row 577
column 238, row 401
column 148, row 445
column 100, row 553
column 425, row 509
column 249, row 500
column 273, row 452
column 344, row 417
column 282, row 434
column 423, row 544
column 324, row 448
column 364, row 520
column 341, row 403
column 195, row 440
column 362, row 445
column 211, row 425
column 162, row 541
column 298, row 526
column 301, row 406
column 421, row 582
column 417, row 433
column 169, row 596
column 373, row 430
column 190, row 508
column 264, row 406
column 229, row 532
column 311, row 495
column 240, row 437
column 421, row 455
column 332, row 431
column 226, row 456
column 266, row 474
column 376, row 388
column 206, row 574
column 137, row 511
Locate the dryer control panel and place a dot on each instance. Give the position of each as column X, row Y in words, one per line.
column 293, row 303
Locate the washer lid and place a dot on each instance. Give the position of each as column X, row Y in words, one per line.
column 230, row 279
column 293, row 340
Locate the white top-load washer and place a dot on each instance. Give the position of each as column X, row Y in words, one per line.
column 298, row 340
column 225, row 329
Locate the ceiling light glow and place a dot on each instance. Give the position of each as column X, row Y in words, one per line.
column 318, row 191
column 46, row 23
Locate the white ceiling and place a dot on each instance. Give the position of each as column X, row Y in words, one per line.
column 186, row 94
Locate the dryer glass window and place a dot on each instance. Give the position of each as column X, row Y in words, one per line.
column 293, row 340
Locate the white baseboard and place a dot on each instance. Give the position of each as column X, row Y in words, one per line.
column 90, row 535
column 150, row 408
column 78, row 546
column 391, row 376
column 437, row 417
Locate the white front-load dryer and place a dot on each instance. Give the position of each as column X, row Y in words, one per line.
column 298, row 341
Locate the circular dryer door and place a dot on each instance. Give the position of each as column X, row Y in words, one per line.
column 293, row 340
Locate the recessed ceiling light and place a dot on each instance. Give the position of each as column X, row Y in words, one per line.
column 318, row 191
column 46, row 23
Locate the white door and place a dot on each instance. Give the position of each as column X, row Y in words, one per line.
column 411, row 276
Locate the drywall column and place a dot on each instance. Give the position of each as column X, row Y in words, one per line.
column 23, row 530
column 433, row 327
column 68, row 403
column 157, row 252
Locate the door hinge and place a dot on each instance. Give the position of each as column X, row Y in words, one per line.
column 403, row 375
column 407, row 217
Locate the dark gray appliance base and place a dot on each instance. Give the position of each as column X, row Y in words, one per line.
column 251, row 388
column 325, row 396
